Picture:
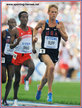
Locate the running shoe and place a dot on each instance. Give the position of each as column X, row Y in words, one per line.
column 15, row 103
column 5, row 103
column 38, row 95
column 49, row 97
column 26, row 87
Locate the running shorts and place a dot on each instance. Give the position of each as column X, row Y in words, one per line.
column 19, row 58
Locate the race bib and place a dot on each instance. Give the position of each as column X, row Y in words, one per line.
column 8, row 50
column 14, row 56
column 51, row 42
column 42, row 51
column 3, row 59
column 25, row 45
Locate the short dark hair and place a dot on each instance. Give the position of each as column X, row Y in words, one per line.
column 11, row 19
column 19, row 15
column 53, row 5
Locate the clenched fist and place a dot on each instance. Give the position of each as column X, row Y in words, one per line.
column 35, row 39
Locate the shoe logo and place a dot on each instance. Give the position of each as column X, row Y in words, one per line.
column 29, row 32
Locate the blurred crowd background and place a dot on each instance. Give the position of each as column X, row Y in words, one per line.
column 68, row 66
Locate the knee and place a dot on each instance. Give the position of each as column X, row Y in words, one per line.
column 10, row 79
column 16, row 83
column 17, row 80
column 32, row 68
column 51, row 68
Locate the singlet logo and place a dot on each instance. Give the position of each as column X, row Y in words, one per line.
column 21, row 33
column 55, row 29
column 47, row 28
column 29, row 32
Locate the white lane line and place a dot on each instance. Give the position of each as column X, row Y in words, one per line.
column 29, row 103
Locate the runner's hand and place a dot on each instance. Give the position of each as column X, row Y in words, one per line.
column 34, row 51
column 35, row 39
column 59, row 26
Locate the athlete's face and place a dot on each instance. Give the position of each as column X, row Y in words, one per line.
column 11, row 23
column 24, row 18
column 53, row 13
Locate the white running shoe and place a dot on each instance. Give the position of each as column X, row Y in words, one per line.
column 26, row 85
column 15, row 103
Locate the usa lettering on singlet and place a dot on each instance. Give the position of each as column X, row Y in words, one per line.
column 25, row 45
column 51, row 42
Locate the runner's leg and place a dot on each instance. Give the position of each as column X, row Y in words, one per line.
column 29, row 63
column 17, row 80
column 50, row 70
column 10, row 71
column 3, row 73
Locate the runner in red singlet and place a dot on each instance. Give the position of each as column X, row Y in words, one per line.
column 21, row 41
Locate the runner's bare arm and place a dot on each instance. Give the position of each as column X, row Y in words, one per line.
column 33, row 43
column 35, row 31
column 14, row 35
column 61, row 29
column 41, row 25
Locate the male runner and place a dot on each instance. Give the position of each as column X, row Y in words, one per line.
column 52, row 31
column 23, row 48
column 7, row 57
